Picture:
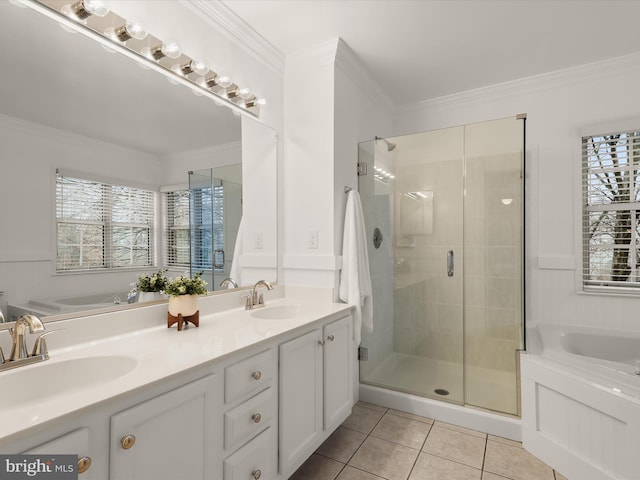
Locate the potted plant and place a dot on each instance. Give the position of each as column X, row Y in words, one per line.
column 183, row 294
column 150, row 287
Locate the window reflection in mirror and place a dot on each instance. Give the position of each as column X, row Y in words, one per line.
column 96, row 115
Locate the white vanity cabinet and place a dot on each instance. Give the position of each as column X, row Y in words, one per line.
column 249, row 417
column 172, row 436
column 76, row 442
column 315, row 390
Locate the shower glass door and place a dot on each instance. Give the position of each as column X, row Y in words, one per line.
column 447, row 277
column 413, row 193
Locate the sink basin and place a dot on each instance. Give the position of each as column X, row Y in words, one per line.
column 277, row 312
column 33, row 383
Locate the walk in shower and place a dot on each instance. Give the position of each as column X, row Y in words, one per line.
column 444, row 214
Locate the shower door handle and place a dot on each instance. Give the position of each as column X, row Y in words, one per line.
column 450, row 263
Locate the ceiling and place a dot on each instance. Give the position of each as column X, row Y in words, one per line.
column 422, row 49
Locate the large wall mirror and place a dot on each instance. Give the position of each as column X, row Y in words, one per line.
column 76, row 117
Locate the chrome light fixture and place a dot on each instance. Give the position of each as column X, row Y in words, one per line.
column 94, row 19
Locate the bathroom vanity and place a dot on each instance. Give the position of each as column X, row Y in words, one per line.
column 135, row 400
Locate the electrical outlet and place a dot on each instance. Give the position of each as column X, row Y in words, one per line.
column 259, row 243
column 312, row 239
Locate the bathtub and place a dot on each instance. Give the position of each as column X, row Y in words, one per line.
column 581, row 400
column 63, row 305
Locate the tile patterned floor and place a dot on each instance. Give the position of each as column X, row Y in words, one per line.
column 377, row 443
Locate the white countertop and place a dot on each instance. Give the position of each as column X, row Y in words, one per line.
column 157, row 353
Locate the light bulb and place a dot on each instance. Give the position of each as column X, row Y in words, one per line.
column 171, row 49
column 261, row 101
column 506, row 201
column 245, row 93
column 199, row 67
column 85, row 8
column 224, row 81
column 96, row 7
column 131, row 29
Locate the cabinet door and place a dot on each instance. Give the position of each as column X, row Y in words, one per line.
column 338, row 388
column 170, row 437
column 74, row 443
column 300, row 398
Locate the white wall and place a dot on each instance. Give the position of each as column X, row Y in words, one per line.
column 558, row 106
column 330, row 106
column 30, row 155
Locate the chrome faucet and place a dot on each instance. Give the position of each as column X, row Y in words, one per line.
column 228, row 281
column 19, row 355
column 253, row 299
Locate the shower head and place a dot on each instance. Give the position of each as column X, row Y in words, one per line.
column 390, row 146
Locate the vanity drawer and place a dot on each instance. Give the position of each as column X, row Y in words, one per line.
column 253, row 461
column 250, row 375
column 247, row 419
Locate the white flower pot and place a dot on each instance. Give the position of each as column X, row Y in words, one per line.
column 186, row 305
column 150, row 296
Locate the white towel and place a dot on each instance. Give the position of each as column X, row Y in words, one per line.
column 355, row 277
column 235, row 271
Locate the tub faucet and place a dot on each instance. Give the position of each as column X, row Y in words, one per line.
column 253, row 299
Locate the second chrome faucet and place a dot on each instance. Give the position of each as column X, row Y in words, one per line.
column 255, row 300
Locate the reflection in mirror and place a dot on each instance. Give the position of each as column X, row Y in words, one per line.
column 71, row 111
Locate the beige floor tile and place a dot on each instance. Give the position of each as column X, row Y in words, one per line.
column 506, row 441
column 515, row 463
column 410, row 415
column 405, row 431
column 342, row 444
column 468, row 431
column 559, row 476
column 386, row 459
column 350, row 473
column 318, row 468
column 454, row 445
column 373, row 406
column 492, row 476
column 363, row 419
column 429, row 467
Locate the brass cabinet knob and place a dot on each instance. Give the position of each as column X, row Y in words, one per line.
column 257, row 375
column 331, row 338
column 256, row 474
column 83, row 464
column 128, row 441
column 256, row 417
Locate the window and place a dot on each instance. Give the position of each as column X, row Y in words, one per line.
column 176, row 208
column 610, row 222
column 102, row 226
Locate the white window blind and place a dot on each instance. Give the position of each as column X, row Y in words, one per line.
column 176, row 237
column 102, row 226
column 611, row 199
column 207, row 227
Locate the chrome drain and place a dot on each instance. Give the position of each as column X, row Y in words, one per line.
column 441, row 391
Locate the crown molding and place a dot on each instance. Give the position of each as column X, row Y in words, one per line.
column 567, row 77
column 349, row 64
column 218, row 15
column 322, row 54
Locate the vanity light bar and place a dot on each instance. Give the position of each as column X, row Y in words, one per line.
column 217, row 87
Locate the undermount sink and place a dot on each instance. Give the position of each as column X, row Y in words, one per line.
column 34, row 383
column 277, row 312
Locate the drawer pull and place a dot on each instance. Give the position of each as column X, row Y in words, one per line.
column 128, row 441
column 257, row 375
column 256, row 474
column 83, row 464
column 331, row 338
column 321, row 343
column 256, row 417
